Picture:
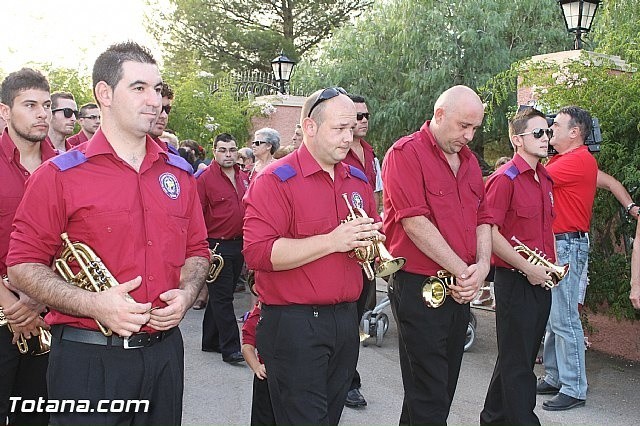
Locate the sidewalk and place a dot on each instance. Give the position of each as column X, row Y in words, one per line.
column 220, row 394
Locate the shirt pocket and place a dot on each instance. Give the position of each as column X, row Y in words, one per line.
column 310, row 228
column 175, row 249
column 110, row 235
column 442, row 198
column 529, row 222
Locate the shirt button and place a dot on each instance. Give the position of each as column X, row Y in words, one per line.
column 108, row 229
column 150, row 277
column 149, row 243
column 26, row 173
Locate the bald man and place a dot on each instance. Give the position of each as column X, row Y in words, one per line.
column 436, row 217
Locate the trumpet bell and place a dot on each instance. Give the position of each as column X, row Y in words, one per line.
column 390, row 266
column 434, row 292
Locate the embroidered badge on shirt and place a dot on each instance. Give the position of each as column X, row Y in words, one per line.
column 170, row 185
column 356, row 200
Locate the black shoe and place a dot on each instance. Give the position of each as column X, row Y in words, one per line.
column 355, row 399
column 544, row 388
column 210, row 349
column 562, row 402
column 234, row 358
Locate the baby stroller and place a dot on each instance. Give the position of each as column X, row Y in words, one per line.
column 375, row 324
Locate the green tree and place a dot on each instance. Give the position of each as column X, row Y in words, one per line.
column 246, row 34
column 402, row 54
column 616, row 29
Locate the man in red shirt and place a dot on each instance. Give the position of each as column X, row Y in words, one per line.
column 308, row 283
column 362, row 156
column 137, row 207
column 221, row 187
column 436, row 218
column 575, row 174
column 64, row 113
column 89, row 119
column 26, row 105
column 520, row 199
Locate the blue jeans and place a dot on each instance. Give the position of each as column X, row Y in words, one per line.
column 564, row 339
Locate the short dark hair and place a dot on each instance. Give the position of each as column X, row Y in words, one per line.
column 357, row 99
column 223, row 137
column 60, row 95
column 518, row 124
column 17, row 81
column 108, row 66
column 579, row 118
column 167, row 91
column 85, row 107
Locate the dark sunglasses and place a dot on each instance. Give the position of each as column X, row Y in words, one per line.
column 537, row 133
column 166, row 108
column 361, row 115
column 68, row 112
column 326, row 94
column 258, row 143
column 90, row 117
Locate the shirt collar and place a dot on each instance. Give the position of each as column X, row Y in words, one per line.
column 465, row 153
column 11, row 152
column 523, row 166
column 309, row 165
column 99, row 145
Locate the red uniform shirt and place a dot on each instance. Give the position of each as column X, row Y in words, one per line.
column 77, row 139
column 221, row 202
column 419, row 182
column 67, row 145
column 249, row 327
column 295, row 198
column 369, row 166
column 574, row 175
column 140, row 223
column 12, row 177
column 522, row 207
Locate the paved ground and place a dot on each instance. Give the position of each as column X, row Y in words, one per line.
column 220, row 394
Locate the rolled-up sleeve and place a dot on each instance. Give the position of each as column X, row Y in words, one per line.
column 401, row 173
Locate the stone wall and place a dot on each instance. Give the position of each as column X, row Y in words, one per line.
column 283, row 119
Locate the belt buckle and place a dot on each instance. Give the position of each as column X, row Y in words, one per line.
column 138, row 340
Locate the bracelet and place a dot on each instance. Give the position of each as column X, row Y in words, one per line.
column 629, row 207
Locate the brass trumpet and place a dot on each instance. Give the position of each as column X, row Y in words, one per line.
column 536, row 257
column 436, row 289
column 93, row 275
column 216, row 263
column 44, row 338
column 386, row 264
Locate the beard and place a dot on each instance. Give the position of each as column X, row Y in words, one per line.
column 35, row 138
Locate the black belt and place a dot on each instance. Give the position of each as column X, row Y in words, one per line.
column 571, row 235
column 220, row 240
column 90, row 337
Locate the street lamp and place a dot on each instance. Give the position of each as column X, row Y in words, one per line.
column 578, row 17
column 282, row 69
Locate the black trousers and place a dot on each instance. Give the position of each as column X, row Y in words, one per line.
column 368, row 286
column 522, row 311
column 431, row 345
column 261, row 409
column 219, row 326
column 80, row 371
column 21, row 376
column 310, row 353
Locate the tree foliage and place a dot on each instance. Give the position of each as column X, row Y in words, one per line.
column 402, row 54
column 616, row 29
column 247, row 34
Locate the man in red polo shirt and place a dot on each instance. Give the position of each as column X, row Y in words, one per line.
column 26, row 106
column 137, row 207
column 64, row 113
column 221, row 187
column 89, row 119
column 520, row 199
column 361, row 156
column 436, row 218
column 298, row 246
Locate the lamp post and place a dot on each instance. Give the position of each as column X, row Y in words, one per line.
column 578, row 17
column 282, row 70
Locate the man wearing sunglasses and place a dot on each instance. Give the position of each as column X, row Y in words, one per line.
column 89, row 120
column 436, row 217
column 362, row 156
column 299, row 244
column 64, row 113
column 161, row 123
column 520, row 197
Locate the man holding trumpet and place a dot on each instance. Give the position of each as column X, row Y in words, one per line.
column 436, row 218
column 137, row 207
column 299, row 244
column 520, row 199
